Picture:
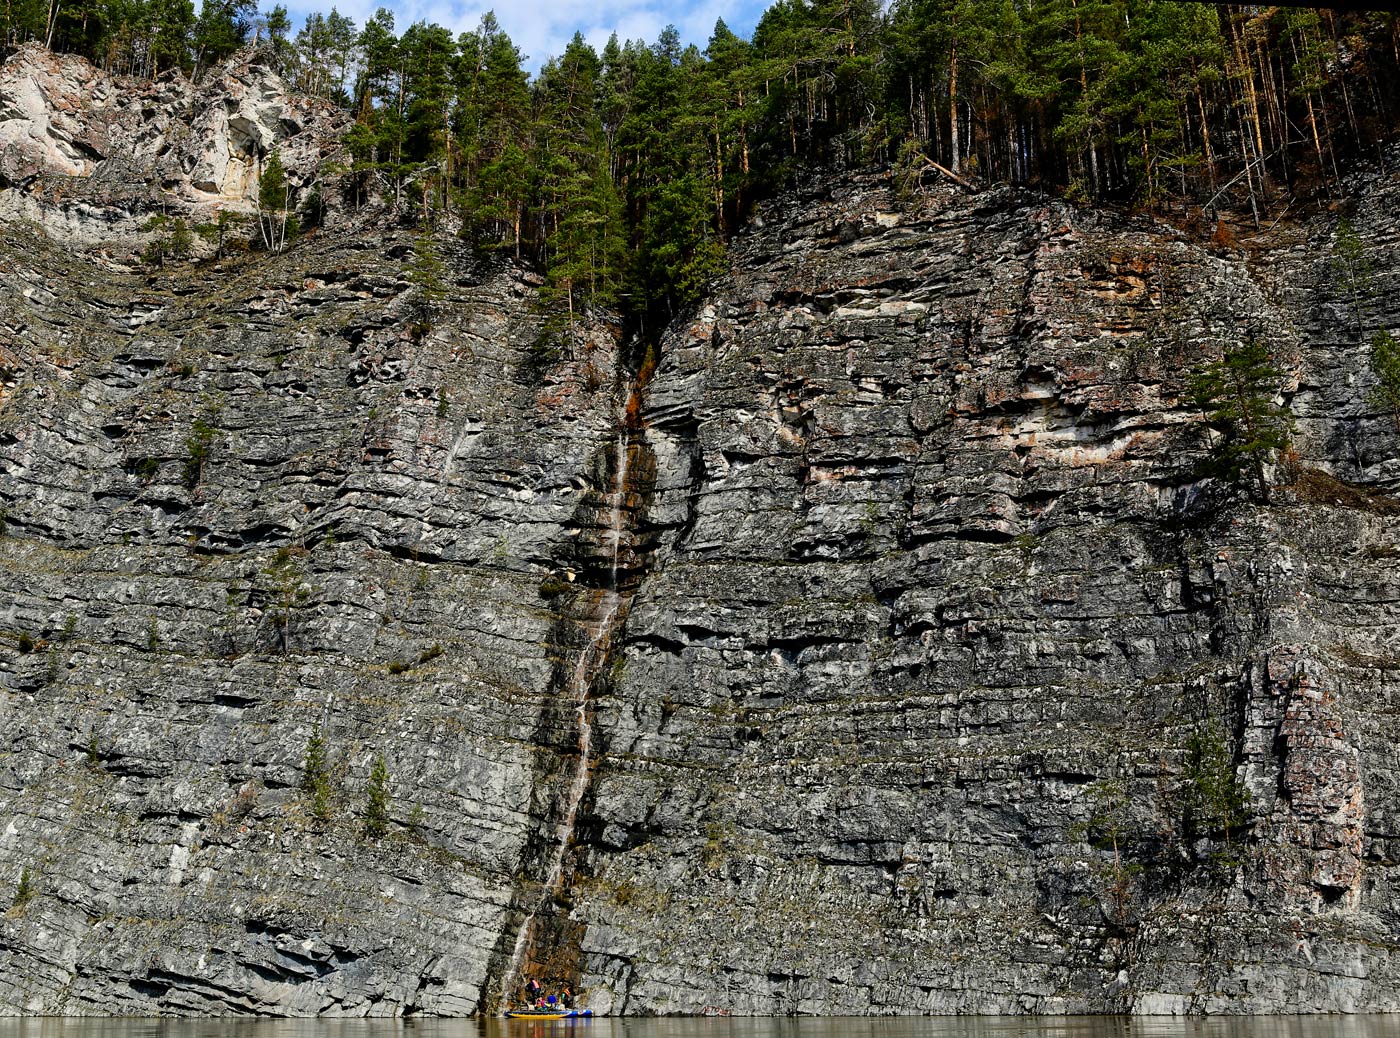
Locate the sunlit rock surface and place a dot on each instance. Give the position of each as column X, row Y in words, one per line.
column 91, row 158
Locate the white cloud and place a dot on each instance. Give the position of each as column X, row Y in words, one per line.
column 542, row 28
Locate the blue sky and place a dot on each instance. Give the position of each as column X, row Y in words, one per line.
column 541, row 28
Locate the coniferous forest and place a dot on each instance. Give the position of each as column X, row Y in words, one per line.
column 621, row 173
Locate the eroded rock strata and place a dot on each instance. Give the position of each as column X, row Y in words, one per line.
column 788, row 677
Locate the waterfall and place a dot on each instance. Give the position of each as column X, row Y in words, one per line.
column 617, row 500
column 599, row 627
column 595, row 612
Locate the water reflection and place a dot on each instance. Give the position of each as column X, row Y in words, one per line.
column 736, row 1027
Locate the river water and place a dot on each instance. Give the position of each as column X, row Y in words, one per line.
column 738, row 1027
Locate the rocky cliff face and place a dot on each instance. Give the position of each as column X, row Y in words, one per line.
column 91, row 159
column 842, row 656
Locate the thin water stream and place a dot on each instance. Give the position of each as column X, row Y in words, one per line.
column 597, row 613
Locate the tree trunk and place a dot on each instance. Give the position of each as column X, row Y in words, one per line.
column 954, row 150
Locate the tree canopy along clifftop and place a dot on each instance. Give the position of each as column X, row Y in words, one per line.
column 622, row 173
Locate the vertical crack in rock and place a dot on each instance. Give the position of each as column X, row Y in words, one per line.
column 610, row 558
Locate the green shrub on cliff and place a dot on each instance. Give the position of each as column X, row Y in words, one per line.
column 286, row 586
column 1385, row 364
column 1237, row 396
column 377, row 799
column 1216, row 801
column 173, row 240
column 24, row 890
column 276, row 225
column 199, row 444
column 316, row 780
column 1110, row 827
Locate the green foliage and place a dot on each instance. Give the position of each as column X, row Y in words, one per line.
column 285, row 574
column 278, row 25
column 377, row 799
column 93, row 757
column 1349, row 261
column 426, row 272
column 620, row 175
column 221, row 29
column 199, row 445
column 1124, row 99
column 316, row 781
column 172, row 240
column 277, row 226
column 25, row 890
column 1111, row 827
column 1385, row 365
column 553, row 586
column 1237, row 395
column 1216, row 801
column 219, row 232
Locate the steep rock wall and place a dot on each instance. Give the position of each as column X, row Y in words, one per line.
column 940, row 564
column 784, row 677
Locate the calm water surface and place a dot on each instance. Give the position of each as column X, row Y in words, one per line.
column 689, row 1027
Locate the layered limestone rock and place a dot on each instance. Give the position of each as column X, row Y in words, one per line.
column 845, row 655
column 91, row 157
column 941, row 584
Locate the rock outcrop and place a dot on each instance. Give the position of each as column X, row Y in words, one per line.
column 92, row 158
column 845, row 655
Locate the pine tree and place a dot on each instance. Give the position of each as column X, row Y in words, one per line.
column 579, row 207
column 278, row 24
column 275, row 224
column 222, row 27
column 287, row 590
column 494, row 124
column 377, row 799
column 1078, row 46
column 1237, row 395
column 426, row 152
column 1385, row 364
column 1217, row 803
column 316, row 780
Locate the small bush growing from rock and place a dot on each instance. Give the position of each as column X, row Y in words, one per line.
column 553, row 586
column 198, row 446
column 286, row 577
column 1217, row 803
column 1237, row 396
column 173, row 240
column 24, row 890
column 377, row 802
column 316, row 777
column 1385, row 363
